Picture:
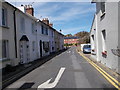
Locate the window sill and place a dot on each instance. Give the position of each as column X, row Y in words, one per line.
column 4, row 59
column 45, row 34
column 5, row 27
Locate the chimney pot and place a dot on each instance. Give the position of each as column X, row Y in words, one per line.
column 51, row 24
column 29, row 9
column 46, row 21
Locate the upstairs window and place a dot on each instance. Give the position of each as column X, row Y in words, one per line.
column 4, row 17
column 22, row 24
column 52, row 33
column 103, row 7
column 46, row 31
column 33, row 27
column 33, row 45
column 42, row 28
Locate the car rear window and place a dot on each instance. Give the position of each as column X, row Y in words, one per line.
column 87, row 46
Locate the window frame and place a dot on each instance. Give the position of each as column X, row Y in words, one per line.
column 103, row 40
column 42, row 29
column 33, row 46
column 33, row 28
column 4, row 46
column 22, row 24
column 5, row 17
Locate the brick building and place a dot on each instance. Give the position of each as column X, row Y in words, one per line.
column 71, row 40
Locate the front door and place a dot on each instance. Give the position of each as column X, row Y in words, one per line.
column 24, row 52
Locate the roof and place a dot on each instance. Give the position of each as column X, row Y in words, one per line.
column 93, row 22
column 30, row 16
column 93, row 1
column 71, row 37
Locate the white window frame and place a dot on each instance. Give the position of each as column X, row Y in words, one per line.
column 5, row 17
column 33, row 46
column 104, row 40
column 33, row 28
column 22, row 24
column 4, row 46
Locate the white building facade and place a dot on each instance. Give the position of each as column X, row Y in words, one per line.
column 52, row 40
column 23, row 38
column 104, row 34
column 7, row 35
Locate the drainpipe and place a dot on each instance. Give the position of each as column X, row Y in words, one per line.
column 15, row 36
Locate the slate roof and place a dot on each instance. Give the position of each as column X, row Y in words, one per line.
column 71, row 37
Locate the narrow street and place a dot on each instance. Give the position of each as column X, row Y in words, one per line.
column 67, row 70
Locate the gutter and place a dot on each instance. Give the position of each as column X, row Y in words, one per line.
column 15, row 36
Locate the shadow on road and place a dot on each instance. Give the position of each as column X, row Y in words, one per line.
column 19, row 71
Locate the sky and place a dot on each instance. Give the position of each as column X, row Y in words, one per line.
column 71, row 17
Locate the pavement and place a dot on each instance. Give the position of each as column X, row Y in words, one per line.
column 67, row 70
column 111, row 72
column 21, row 70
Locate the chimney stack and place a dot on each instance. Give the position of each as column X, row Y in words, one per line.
column 29, row 9
column 51, row 24
column 46, row 21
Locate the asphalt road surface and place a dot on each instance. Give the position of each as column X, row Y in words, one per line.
column 67, row 70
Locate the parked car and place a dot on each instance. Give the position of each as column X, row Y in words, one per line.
column 87, row 49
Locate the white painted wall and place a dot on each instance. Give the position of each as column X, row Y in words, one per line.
column 110, row 24
column 51, row 40
column 8, row 34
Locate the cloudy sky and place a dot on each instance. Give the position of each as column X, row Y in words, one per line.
column 70, row 17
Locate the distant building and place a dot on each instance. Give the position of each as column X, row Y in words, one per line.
column 71, row 40
column 105, row 33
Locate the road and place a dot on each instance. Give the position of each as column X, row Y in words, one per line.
column 67, row 70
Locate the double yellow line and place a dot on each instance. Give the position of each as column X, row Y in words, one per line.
column 113, row 81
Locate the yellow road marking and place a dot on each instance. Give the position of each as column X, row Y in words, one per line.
column 103, row 71
column 106, row 75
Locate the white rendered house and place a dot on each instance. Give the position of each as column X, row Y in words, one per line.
column 105, row 34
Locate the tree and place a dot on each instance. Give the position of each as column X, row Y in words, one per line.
column 84, row 37
column 68, row 35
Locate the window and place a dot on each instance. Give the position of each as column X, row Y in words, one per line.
column 46, row 31
column 93, row 37
column 33, row 45
column 46, row 46
column 103, row 7
column 104, row 34
column 22, row 24
column 93, row 42
column 33, row 28
column 104, row 40
column 5, row 49
column 42, row 28
column 4, row 17
column 52, row 33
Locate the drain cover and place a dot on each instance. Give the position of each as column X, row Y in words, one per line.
column 27, row 85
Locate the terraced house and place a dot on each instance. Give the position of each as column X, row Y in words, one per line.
column 23, row 37
column 105, row 33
